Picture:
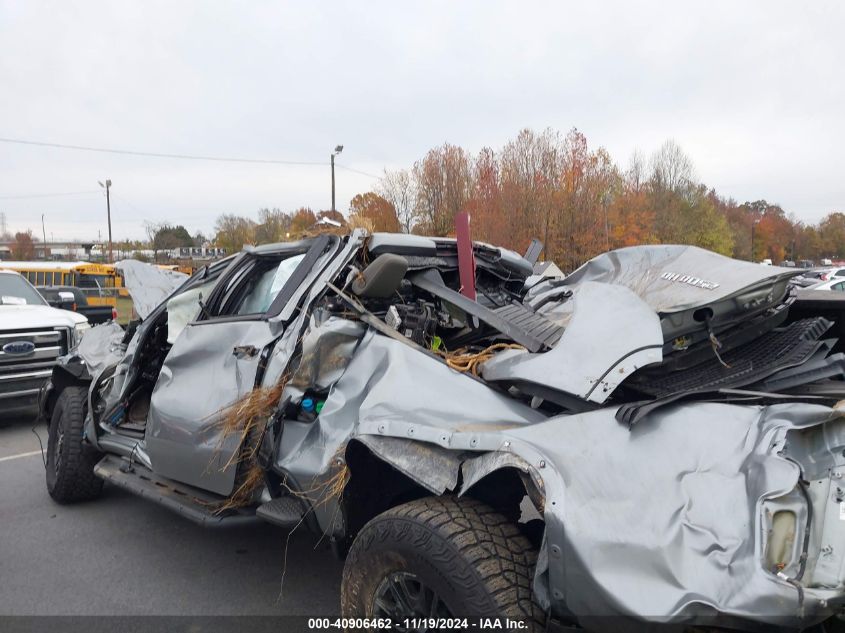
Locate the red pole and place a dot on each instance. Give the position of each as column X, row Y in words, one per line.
column 466, row 258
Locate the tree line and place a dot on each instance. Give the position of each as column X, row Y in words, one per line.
column 575, row 198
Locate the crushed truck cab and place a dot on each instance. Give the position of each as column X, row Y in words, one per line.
column 653, row 439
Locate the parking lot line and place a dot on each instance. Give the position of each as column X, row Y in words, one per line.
column 19, row 455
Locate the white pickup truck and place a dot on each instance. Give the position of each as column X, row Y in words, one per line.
column 32, row 336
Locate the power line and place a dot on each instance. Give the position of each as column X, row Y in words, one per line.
column 357, row 171
column 48, row 195
column 132, row 206
column 126, row 152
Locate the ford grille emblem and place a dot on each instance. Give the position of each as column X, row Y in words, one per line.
column 19, row 347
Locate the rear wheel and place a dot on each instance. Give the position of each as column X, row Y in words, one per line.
column 440, row 557
column 70, row 463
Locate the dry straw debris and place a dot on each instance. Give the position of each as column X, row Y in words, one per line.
column 246, row 419
column 465, row 361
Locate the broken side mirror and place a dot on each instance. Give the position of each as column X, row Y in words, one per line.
column 382, row 277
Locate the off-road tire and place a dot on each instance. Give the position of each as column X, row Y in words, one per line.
column 70, row 464
column 475, row 559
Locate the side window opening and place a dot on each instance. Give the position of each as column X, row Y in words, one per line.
column 252, row 289
column 267, row 285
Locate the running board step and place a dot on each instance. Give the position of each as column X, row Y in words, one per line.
column 192, row 503
column 285, row 511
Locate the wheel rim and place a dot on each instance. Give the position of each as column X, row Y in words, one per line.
column 402, row 595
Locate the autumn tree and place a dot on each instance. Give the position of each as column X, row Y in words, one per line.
column 23, row 248
column 444, row 186
column 273, row 226
column 232, row 232
column 530, row 175
column 808, row 242
column 380, row 213
column 631, row 215
column 489, row 222
column 302, row 220
column 832, row 234
column 579, row 203
column 588, row 181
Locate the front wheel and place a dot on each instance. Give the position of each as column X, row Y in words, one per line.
column 440, row 557
column 70, row 464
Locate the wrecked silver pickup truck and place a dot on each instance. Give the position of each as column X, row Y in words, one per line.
column 654, row 438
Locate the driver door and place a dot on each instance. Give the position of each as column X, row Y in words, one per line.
column 214, row 363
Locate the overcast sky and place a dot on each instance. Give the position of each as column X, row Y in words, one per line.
column 753, row 92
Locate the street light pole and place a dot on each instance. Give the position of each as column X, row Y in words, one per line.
column 108, row 211
column 337, row 150
column 44, row 236
column 754, row 222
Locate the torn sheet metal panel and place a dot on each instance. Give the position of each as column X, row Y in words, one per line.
column 386, row 382
column 433, row 467
column 148, row 285
column 327, row 348
column 664, row 521
column 478, row 467
column 101, row 347
column 610, row 335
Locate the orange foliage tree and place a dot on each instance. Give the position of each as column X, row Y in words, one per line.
column 378, row 212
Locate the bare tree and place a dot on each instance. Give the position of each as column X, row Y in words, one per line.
column 151, row 229
column 671, row 168
column 399, row 189
column 635, row 175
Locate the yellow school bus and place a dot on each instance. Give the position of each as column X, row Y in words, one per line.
column 100, row 282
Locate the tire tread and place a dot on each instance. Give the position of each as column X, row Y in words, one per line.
column 76, row 480
column 492, row 554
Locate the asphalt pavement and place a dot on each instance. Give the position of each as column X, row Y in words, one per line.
column 121, row 555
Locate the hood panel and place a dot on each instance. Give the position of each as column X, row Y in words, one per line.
column 690, row 288
column 676, row 278
column 148, row 285
column 31, row 316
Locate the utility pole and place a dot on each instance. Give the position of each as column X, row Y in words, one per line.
column 108, row 211
column 337, row 150
column 44, row 237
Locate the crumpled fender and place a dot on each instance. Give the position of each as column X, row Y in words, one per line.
column 437, row 469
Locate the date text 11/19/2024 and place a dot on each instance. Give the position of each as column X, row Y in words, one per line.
column 420, row 623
